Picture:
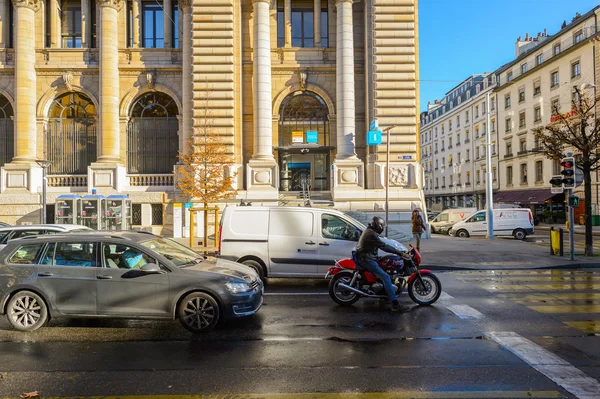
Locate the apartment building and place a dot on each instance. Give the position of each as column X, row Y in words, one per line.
column 532, row 88
column 453, row 146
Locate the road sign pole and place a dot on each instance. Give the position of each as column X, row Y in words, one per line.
column 488, row 164
column 571, row 228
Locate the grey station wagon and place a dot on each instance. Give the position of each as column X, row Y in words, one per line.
column 121, row 275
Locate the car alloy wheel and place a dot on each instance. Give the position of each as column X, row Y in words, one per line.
column 27, row 311
column 199, row 312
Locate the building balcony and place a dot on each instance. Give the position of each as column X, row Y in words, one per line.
column 508, row 156
column 443, row 186
column 449, row 147
column 450, row 185
column 75, row 182
column 522, row 152
column 151, row 180
column 467, row 141
column 536, row 149
column 468, row 184
column 437, row 187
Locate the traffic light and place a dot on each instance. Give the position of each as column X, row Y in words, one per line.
column 556, row 181
column 573, row 201
column 568, row 172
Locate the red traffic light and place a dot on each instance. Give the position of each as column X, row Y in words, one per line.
column 566, row 164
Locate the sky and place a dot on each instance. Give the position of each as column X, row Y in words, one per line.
column 458, row 38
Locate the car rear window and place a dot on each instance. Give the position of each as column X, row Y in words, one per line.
column 25, row 254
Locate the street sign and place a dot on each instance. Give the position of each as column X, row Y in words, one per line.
column 578, row 177
column 374, row 137
column 405, row 157
column 557, row 190
column 312, row 137
column 374, row 125
column 297, row 137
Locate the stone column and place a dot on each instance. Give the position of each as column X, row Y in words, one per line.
column 287, row 23
column 136, row 7
column 317, row 23
column 345, row 81
column 55, row 41
column 109, row 82
column 86, row 24
column 262, row 168
column 168, row 23
column 186, row 39
column 348, row 169
column 25, row 81
column 4, row 26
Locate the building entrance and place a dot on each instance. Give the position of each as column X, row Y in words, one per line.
column 304, row 170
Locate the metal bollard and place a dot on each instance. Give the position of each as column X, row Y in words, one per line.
column 560, row 232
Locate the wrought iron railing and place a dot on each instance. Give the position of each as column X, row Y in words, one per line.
column 152, row 145
column 70, row 145
column 7, row 137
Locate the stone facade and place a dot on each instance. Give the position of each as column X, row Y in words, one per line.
column 238, row 61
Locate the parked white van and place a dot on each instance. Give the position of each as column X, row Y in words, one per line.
column 287, row 241
column 446, row 219
column 516, row 222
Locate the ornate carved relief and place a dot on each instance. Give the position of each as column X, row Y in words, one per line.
column 398, row 175
column 302, row 76
column 33, row 4
column 151, row 79
column 116, row 4
column 184, row 4
column 67, row 78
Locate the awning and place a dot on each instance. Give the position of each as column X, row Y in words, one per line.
column 526, row 197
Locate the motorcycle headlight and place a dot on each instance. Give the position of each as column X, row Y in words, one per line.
column 237, row 287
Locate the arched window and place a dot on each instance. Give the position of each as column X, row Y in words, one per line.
column 302, row 113
column 7, row 149
column 71, row 135
column 152, row 140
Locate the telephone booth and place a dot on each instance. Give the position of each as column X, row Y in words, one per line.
column 90, row 211
column 117, row 211
column 66, row 209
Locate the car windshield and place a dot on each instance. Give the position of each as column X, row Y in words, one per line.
column 179, row 254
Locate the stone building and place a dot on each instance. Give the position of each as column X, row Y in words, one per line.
column 453, row 144
column 532, row 88
column 110, row 92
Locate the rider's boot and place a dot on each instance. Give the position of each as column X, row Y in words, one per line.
column 397, row 307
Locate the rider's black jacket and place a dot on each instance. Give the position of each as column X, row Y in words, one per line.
column 369, row 243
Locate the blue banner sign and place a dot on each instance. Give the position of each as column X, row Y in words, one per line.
column 374, row 137
column 312, row 137
column 374, row 125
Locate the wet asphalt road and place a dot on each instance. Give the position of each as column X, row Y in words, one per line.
column 302, row 342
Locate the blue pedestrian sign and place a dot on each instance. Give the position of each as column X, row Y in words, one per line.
column 312, row 137
column 374, row 137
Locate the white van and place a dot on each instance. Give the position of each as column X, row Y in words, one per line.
column 516, row 222
column 287, row 241
column 446, row 219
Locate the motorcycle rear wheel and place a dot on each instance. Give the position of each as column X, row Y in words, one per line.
column 427, row 295
column 340, row 295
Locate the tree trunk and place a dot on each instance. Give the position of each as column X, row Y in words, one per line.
column 587, row 181
column 205, row 228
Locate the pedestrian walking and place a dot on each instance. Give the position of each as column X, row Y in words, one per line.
column 417, row 227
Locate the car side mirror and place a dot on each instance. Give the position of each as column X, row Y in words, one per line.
column 152, row 268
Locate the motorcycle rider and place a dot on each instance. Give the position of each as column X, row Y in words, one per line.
column 366, row 252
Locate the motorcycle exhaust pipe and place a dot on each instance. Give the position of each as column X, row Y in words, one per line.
column 359, row 292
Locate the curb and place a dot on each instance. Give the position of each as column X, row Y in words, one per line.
column 566, row 266
column 544, row 228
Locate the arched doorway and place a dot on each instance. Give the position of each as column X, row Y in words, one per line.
column 152, row 141
column 304, row 143
column 71, row 135
column 7, row 133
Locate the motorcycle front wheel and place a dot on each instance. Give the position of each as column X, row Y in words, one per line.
column 341, row 295
column 427, row 293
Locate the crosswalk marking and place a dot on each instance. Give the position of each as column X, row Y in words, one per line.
column 558, row 370
column 465, row 311
column 550, row 292
column 591, row 326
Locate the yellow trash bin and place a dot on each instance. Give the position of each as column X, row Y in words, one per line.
column 555, row 241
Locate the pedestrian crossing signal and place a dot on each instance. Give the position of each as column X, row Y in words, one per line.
column 573, row 201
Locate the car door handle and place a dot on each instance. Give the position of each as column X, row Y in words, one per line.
column 309, row 243
column 104, row 277
column 325, row 244
column 45, row 274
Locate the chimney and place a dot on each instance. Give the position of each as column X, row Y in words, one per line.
column 545, row 32
column 519, row 38
column 526, row 37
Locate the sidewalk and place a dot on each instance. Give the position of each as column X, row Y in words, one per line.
column 579, row 229
column 451, row 253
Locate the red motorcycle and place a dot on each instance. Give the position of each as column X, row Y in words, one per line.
column 349, row 283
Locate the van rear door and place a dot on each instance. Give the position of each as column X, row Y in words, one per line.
column 293, row 243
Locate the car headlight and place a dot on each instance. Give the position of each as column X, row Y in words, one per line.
column 237, row 287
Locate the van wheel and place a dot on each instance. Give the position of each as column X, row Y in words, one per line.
column 432, row 230
column 462, row 233
column 257, row 268
column 519, row 234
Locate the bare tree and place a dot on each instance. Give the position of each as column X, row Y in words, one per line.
column 576, row 131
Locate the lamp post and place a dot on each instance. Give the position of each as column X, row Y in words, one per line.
column 387, row 177
column 44, row 164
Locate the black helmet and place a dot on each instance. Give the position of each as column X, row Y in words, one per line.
column 377, row 224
